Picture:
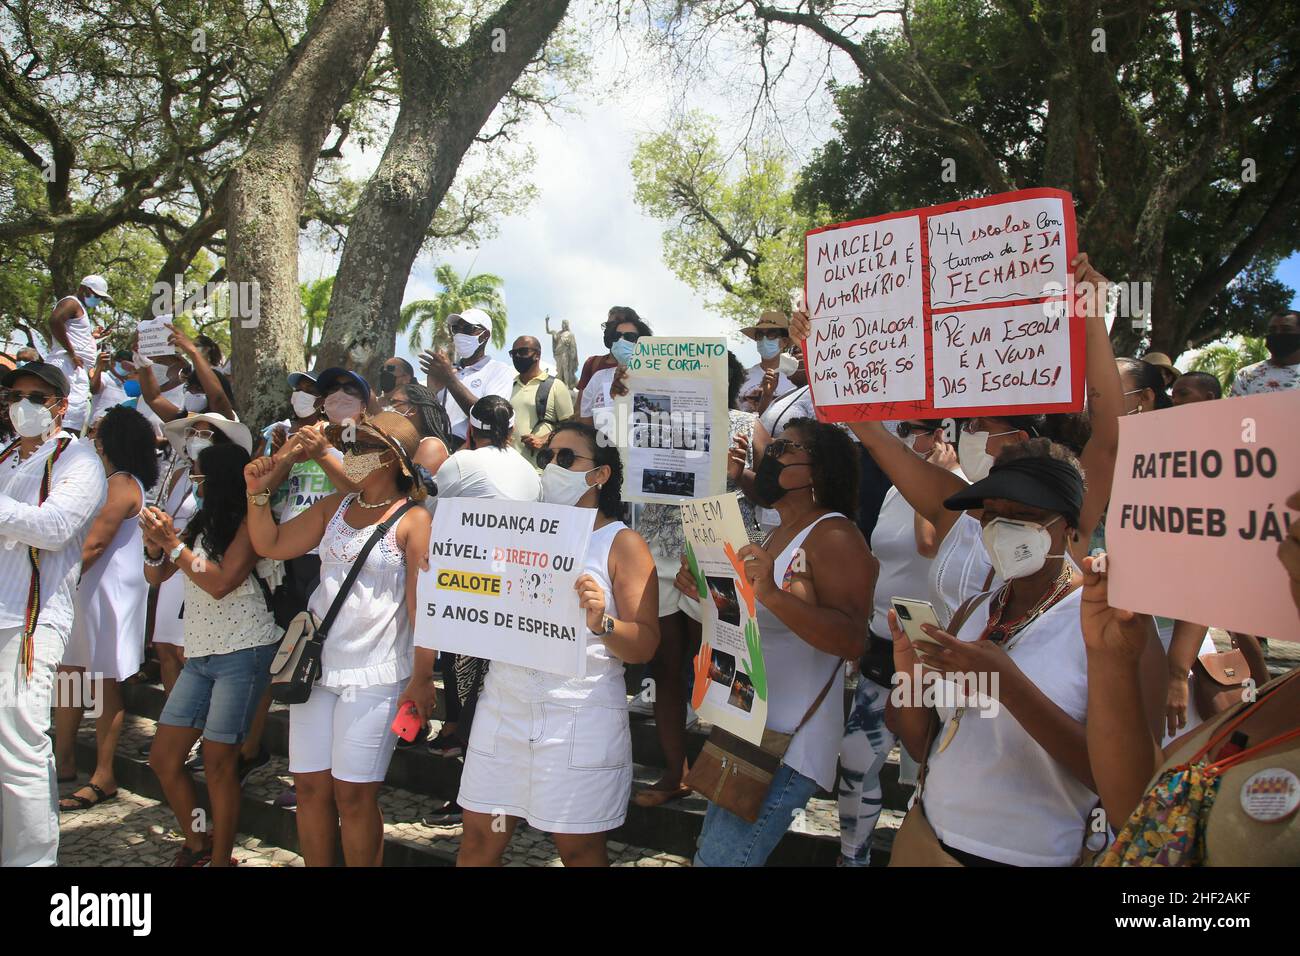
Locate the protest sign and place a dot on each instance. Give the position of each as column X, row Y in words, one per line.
column 672, row 423
column 961, row 309
column 730, row 675
column 151, row 341
column 1198, row 509
column 500, row 583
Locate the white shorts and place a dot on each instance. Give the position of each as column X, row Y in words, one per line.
column 564, row 769
column 672, row 600
column 345, row 730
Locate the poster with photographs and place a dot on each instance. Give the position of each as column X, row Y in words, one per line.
column 667, row 423
column 730, row 675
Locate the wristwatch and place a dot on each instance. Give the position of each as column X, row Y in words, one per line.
column 606, row 626
column 175, row 553
column 260, row 499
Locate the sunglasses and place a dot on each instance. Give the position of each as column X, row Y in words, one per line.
column 612, row 337
column 464, row 328
column 565, row 457
column 524, row 353
column 783, row 446
column 907, row 429
column 11, row 396
column 770, row 333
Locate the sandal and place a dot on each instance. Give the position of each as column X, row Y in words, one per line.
column 651, row 797
column 85, row 803
column 187, row 857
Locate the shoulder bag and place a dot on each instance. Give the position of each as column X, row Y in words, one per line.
column 297, row 663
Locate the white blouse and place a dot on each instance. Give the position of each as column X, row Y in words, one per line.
column 237, row 621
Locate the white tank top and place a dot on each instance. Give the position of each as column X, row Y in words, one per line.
column 82, row 342
column 603, row 683
column 796, row 674
column 370, row 641
column 994, row 791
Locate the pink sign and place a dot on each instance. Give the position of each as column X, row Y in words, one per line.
column 1198, row 510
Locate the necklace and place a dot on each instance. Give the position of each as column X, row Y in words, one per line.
column 1010, row 632
column 378, row 504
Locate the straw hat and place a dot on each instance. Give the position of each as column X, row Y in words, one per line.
column 768, row 320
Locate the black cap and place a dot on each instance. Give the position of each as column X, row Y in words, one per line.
column 50, row 374
column 1049, row 483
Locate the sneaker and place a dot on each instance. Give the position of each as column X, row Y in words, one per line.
column 187, row 857
column 445, row 745
column 246, row 767
column 448, row 815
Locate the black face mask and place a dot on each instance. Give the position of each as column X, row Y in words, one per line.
column 1282, row 343
column 767, row 481
column 387, row 381
column 522, row 364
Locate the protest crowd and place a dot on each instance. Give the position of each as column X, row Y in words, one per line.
column 146, row 526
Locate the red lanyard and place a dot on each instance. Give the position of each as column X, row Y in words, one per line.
column 1232, row 760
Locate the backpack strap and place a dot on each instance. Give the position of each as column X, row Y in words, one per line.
column 543, row 394
column 382, row 529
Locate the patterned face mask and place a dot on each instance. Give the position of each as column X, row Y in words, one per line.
column 356, row 468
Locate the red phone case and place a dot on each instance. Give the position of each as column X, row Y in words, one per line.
column 407, row 723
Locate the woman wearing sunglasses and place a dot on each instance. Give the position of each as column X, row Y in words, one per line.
column 596, row 403
column 574, row 780
column 341, row 738
column 230, row 638
column 813, row 579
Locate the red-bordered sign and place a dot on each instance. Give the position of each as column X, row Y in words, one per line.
column 956, row 310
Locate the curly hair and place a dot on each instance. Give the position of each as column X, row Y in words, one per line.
column 1071, row 429
column 610, row 501
column 735, row 379
column 835, row 468
column 128, row 442
column 618, row 315
column 225, row 504
column 431, row 419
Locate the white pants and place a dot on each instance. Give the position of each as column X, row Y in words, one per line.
column 345, row 730
column 29, row 809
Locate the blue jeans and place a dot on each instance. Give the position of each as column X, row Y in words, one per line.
column 863, row 751
column 727, row 840
column 218, row 693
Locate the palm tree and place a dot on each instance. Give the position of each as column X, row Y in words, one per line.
column 481, row 291
column 1223, row 359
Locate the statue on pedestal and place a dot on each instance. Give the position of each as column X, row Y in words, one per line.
column 564, row 348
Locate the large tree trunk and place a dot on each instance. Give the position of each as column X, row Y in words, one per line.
column 447, row 96
column 267, row 187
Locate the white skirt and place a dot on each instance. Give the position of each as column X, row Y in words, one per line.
column 564, row 769
column 168, row 625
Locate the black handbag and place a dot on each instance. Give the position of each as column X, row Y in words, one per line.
column 297, row 663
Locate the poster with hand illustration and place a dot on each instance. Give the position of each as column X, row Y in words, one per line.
column 730, row 675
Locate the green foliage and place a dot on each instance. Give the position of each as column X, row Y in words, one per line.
column 315, row 306
column 734, row 235
column 480, row 291
column 1225, row 359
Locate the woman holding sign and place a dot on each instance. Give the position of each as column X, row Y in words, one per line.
column 813, row 578
column 341, row 738
column 555, row 750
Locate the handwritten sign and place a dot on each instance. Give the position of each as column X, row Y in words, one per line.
column 500, row 583
column 1198, row 509
column 962, row 309
column 152, row 338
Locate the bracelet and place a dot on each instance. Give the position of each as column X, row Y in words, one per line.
column 260, row 499
column 153, row 562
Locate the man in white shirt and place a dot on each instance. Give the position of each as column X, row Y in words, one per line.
column 488, row 466
column 51, row 486
column 472, row 375
column 1281, row 370
column 73, row 344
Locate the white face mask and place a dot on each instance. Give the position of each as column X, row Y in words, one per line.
column 563, row 487
column 29, row 419
column 357, row 468
column 466, row 345
column 304, row 404
column 196, row 402
column 973, row 456
column 195, row 445
column 1018, row 548
column 341, row 406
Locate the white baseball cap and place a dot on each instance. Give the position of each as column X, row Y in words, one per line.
column 473, row 317
column 97, row 285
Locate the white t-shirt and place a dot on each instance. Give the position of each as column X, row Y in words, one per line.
column 110, row 394
column 754, row 381
column 487, row 376
column 597, row 402
column 488, row 472
column 994, row 791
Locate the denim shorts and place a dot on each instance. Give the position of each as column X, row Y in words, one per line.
column 218, row 693
column 727, row 840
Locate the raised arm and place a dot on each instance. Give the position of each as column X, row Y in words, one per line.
column 924, row 484
column 295, row 537
column 150, row 392
column 218, row 401
column 217, row 577
column 1105, row 404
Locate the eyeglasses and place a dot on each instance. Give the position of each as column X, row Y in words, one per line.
column 564, row 457
column 783, row 446
column 193, row 432
column 612, row 337
column 906, row 429
column 770, row 333
column 11, row 396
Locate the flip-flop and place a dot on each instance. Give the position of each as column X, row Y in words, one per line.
column 85, row 803
column 650, row 797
